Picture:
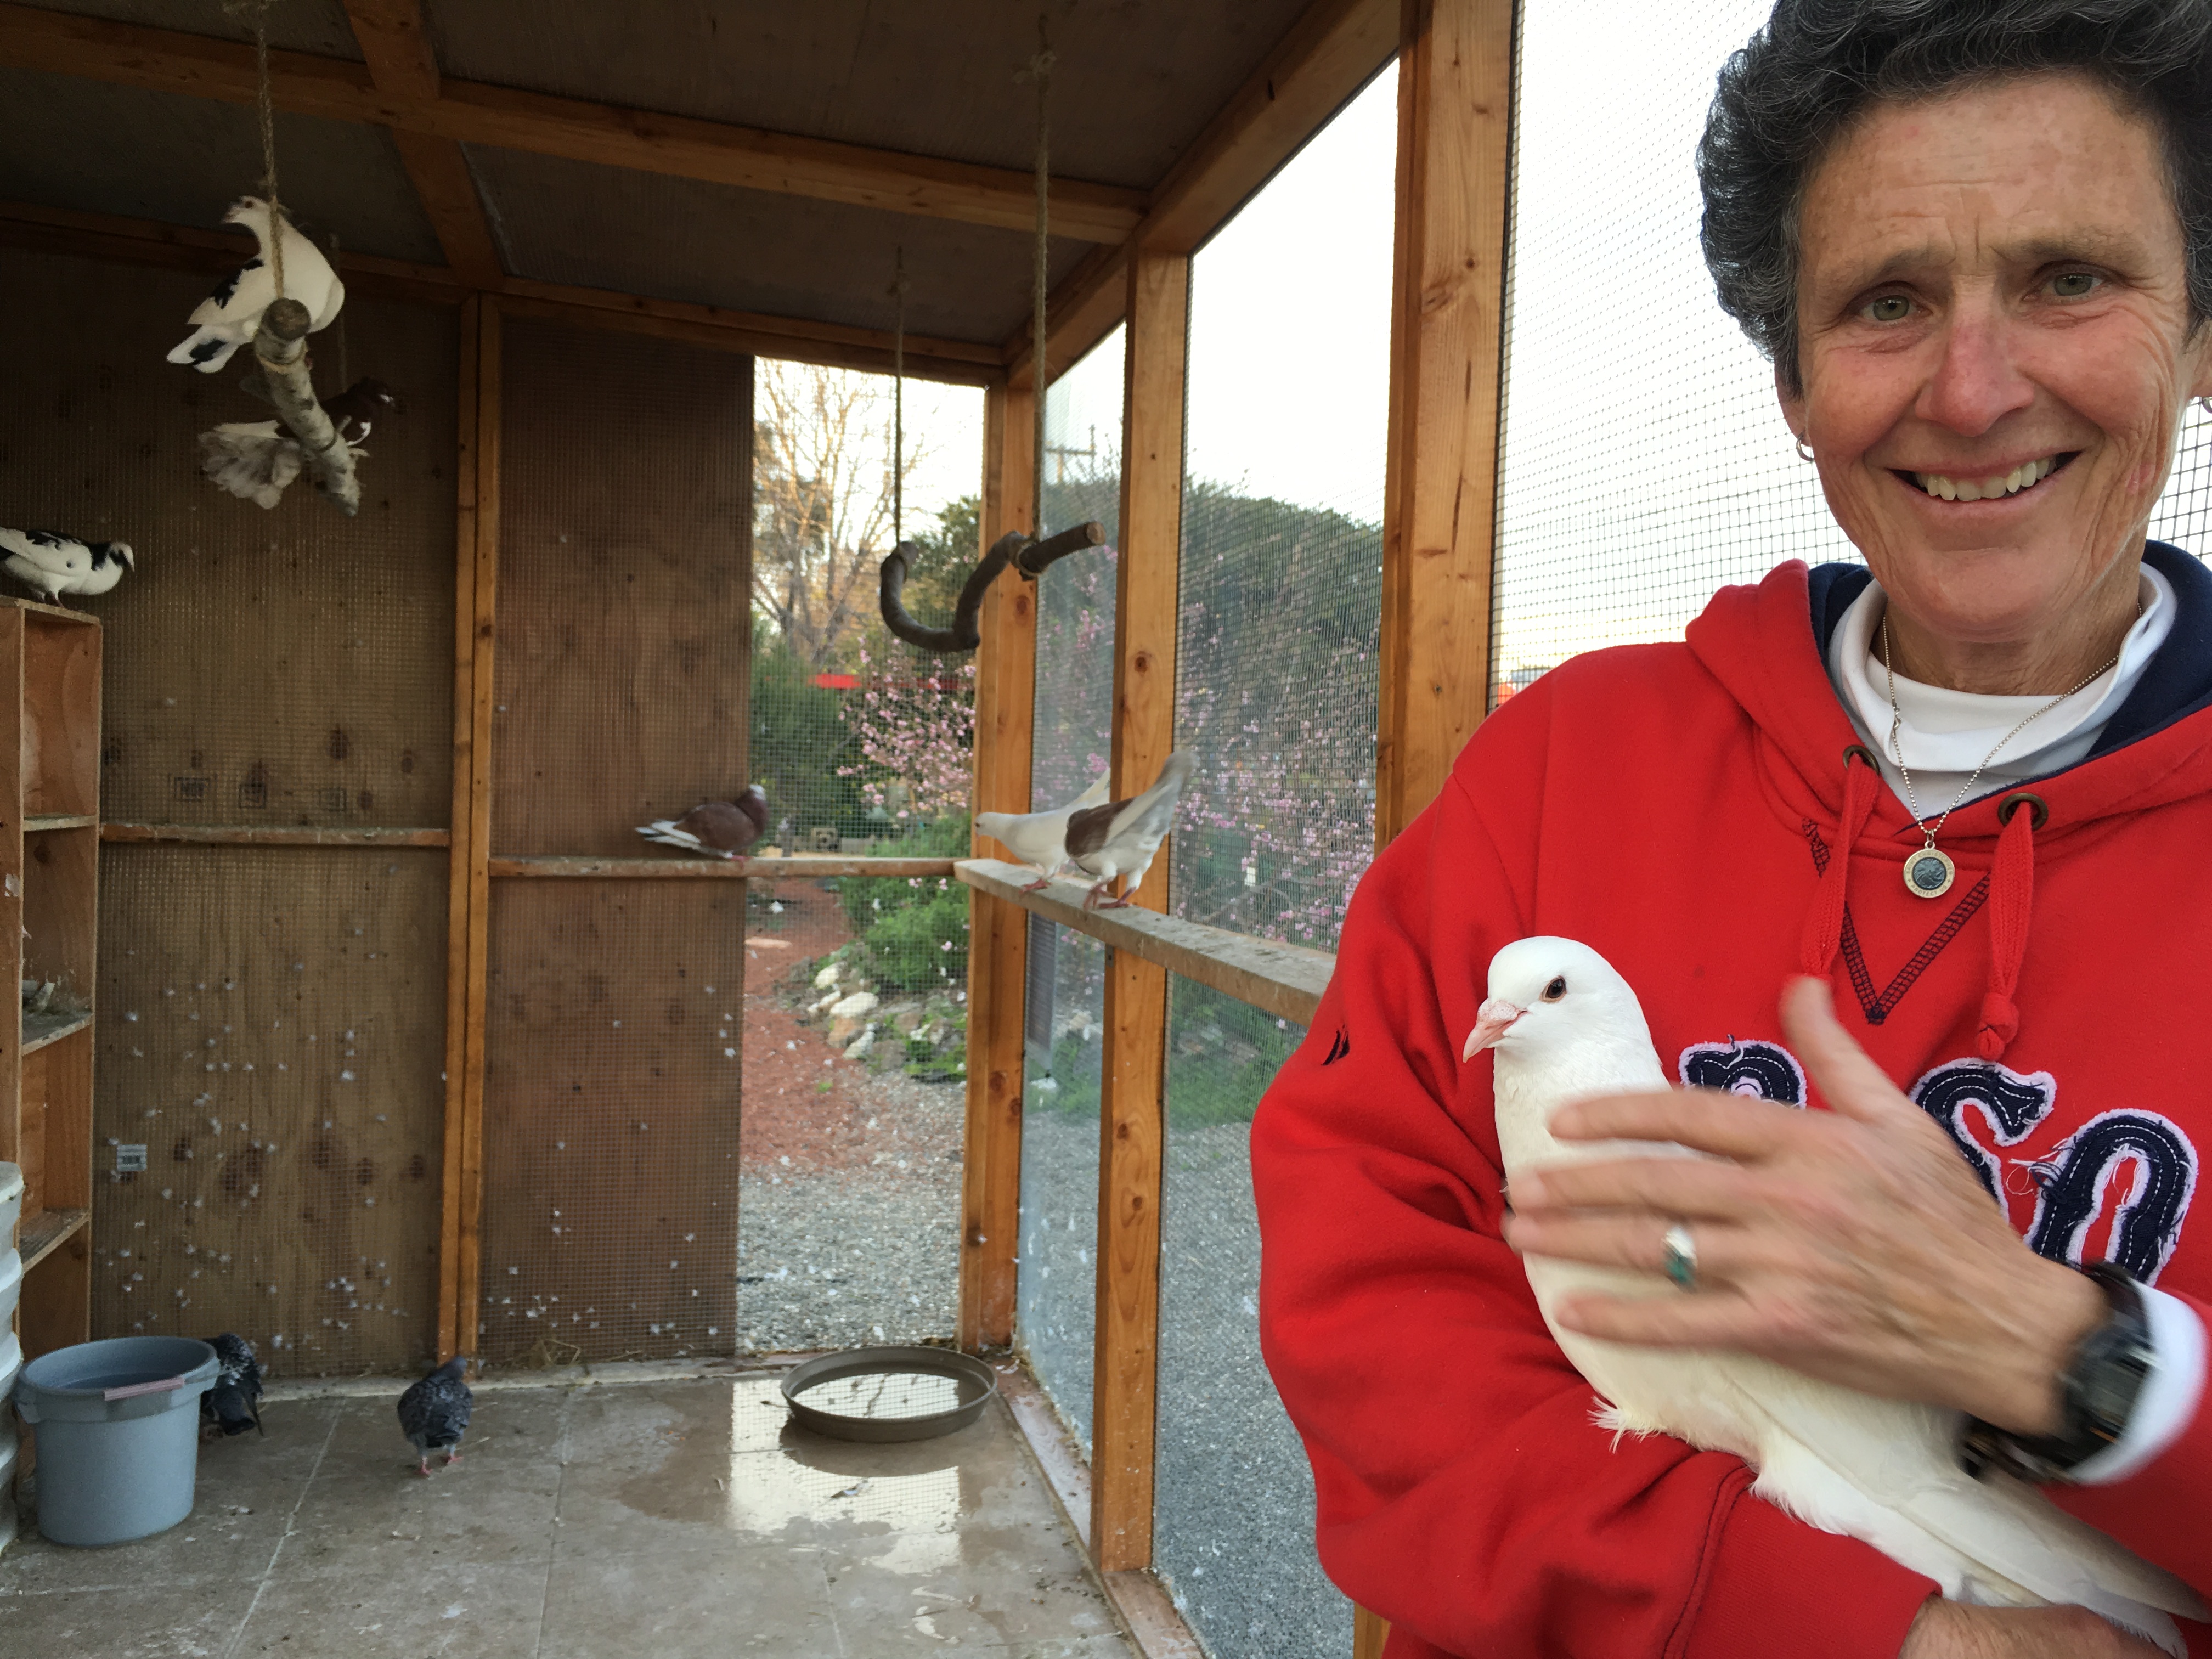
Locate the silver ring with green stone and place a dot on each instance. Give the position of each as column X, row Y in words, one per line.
column 1678, row 1255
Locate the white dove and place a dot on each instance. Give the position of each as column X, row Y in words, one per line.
column 1119, row 838
column 1566, row 1026
column 1040, row 839
column 228, row 318
column 53, row 565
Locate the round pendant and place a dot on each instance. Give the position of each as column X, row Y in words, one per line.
column 1929, row 873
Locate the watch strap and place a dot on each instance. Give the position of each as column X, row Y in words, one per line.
column 2097, row 1392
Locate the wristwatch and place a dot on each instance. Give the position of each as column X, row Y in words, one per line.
column 2097, row 1392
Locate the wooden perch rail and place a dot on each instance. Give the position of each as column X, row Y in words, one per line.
column 280, row 347
column 1031, row 558
column 1285, row 981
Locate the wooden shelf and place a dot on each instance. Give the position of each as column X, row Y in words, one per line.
column 42, row 1234
column 1283, row 980
column 39, row 1029
column 800, row 866
column 39, row 823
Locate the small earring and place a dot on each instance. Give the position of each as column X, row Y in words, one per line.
column 1803, row 453
column 2205, row 403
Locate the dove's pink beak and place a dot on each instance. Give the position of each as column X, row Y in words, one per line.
column 1489, row 1022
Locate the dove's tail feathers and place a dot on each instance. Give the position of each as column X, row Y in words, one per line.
column 1095, row 795
column 664, row 831
column 252, row 459
column 206, row 349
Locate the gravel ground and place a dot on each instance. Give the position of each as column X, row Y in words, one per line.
column 1057, row 1313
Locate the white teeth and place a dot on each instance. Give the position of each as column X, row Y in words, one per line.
column 1987, row 490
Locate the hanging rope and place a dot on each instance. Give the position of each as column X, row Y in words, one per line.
column 345, row 380
column 898, row 401
column 1041, row 71
column 259, row 9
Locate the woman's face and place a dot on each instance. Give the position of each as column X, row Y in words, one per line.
column 1995, row 351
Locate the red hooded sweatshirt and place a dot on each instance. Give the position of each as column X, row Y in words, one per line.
column 1681, row 809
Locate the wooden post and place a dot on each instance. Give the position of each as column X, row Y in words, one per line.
column 1440, row 507
column 469, row 900
column 998, row 954
column 1132, row 1116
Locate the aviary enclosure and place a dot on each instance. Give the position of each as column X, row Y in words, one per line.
column 402, row 1044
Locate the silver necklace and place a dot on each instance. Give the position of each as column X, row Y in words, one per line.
column 1930, row 873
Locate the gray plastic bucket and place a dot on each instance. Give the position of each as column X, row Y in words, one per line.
column 118, row 1435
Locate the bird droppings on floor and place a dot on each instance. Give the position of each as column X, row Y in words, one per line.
column 674, row 1517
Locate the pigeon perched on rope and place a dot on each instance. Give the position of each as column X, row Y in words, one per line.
column 715, row 828
column 434, row 1412
column 1564, row 1026
column 1040, row 839
column 257, row 460
column 228, row 317
column 234, row 1405
column 50, row 564
column 1119, row 838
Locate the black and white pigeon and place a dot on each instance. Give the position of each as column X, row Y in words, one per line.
column 1119, row 838
column 1040, row 839
column 50, row 564
column 228, row 318
column 434, row 1412
column 718, row 829
column 234, row 1405
column 256, row 460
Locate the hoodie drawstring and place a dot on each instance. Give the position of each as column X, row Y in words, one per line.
column 1824, row 926
column 2012, row 898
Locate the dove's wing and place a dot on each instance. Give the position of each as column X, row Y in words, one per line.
column 1093, row 796
column 1034, row 838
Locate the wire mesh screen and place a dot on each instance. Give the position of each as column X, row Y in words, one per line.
column 1056, row 1312
column 271, row 1027
column 1276, row 698
column 855, row 1049
column 1074, row 721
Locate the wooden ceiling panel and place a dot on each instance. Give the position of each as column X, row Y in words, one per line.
column 597, row 226
column 87, row 145
column 316, row 26
column 1134, row 82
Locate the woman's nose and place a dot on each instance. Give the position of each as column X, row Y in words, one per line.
column 1976, row 381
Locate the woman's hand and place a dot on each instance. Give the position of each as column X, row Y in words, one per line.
column 1853, row 1244
column 1951, row 1629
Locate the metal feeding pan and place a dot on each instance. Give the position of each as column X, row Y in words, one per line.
column 889, row 1394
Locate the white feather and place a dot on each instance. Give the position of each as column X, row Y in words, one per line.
column 1883, row 1471
column 1040, row 839
column 228, row 318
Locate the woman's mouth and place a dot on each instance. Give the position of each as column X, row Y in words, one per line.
column 1946, row 488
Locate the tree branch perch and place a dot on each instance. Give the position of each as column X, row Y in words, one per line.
column 280, row 345
column 1030, row 557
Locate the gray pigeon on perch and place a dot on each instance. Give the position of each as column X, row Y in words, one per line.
column 718, row 829
column 234, row 1405
column 51, row 565
column 228, row 318
column 256, row 460
column 1040, row 839
column 434, row 1412
column 1119, row 838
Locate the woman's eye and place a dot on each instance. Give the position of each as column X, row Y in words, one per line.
column 1556, row 989
column 2074, row 284
column 1890, row 309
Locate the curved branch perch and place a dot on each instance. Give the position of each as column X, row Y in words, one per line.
column 1030, row 557
column 280, row 345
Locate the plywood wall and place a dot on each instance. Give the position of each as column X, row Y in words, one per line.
column 274, row 668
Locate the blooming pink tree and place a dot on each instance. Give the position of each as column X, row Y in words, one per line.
column 914, row 716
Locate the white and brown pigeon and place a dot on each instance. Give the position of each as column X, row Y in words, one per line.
column 435, row 1413
column 1119, row 838
column 228, row 317
column 715, row 828
column 1564, row 1026
column 1040, row 839
column 50, row 564
column 256, row 460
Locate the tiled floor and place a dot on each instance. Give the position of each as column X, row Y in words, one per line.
column 654, row 1519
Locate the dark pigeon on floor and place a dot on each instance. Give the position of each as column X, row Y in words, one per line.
column 719, row 828
column 434, row 1411
column 234, row 1405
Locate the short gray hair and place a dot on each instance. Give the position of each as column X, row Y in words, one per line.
column 1818, row 65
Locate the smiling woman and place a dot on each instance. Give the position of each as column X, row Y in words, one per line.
column 1963, row 790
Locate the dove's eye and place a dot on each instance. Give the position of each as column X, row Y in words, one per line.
column 1556, row 989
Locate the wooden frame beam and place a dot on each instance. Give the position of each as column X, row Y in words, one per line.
column 401, row 65
column 998, row 943
column 196, row 66
column 1333, row 50
column 146, row 241
column 1133, row 1104
column 1446, row 347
